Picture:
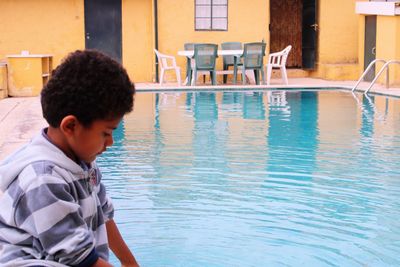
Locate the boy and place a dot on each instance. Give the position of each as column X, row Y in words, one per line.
column 54, row 210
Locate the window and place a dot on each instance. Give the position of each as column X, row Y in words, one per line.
column 211, row 15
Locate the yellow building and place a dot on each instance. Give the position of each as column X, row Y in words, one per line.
column 379, row 36
column 327, row 36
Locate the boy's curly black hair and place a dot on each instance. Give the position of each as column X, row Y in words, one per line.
column 88, row 85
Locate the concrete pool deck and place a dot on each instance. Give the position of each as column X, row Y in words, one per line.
column 21, row 117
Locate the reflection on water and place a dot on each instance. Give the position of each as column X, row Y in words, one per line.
column 253, row 106
column 258, row 179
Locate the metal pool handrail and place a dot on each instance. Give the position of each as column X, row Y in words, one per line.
column 386, row 66
column 367, row 70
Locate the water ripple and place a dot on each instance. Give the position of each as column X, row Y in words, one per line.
column 243, row 181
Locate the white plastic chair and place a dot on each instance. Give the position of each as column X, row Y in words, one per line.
column 278, row 60
column 167, row 62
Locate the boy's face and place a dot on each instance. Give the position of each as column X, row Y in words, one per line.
column 89, row 142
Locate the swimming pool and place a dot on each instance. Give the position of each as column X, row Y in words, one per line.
column 283, row 178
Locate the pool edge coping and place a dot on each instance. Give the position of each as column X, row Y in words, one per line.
column 241, row 88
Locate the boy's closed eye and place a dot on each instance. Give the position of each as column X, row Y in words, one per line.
column 105, row 134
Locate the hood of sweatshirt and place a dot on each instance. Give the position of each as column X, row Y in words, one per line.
column 38, row 149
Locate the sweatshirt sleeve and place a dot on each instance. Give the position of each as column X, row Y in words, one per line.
column 48, row 211
column 105, row 200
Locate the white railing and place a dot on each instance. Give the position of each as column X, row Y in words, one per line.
column 386, row 66
column 368, row 69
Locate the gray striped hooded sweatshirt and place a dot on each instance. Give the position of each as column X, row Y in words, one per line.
column 52, row 210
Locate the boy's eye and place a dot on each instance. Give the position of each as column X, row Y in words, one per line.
column 106, row 134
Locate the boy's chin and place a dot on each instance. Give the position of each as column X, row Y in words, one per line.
column 90, row 159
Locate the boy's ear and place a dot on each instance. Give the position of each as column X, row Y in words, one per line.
column 69, row 124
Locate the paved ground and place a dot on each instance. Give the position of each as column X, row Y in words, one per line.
column 21, row 117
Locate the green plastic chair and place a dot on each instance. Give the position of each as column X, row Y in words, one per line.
column 205, row 56
column 253, row 59
column 229, row 60
column 188, row 46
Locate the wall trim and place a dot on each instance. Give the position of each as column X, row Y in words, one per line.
column 378, row 8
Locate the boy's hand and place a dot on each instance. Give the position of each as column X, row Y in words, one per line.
column 118, row 245
column 130, row 263
column 101, row 263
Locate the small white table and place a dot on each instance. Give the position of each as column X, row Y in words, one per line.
column 190, row 54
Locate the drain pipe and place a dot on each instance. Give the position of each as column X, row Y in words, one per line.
column 155, row 3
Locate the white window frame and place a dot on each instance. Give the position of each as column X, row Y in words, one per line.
column 209, row 19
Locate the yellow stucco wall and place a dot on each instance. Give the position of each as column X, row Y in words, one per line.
column 137, row 39
column 337, row 52
column 41, row 27
column 246, row 23
column 388, row 45
column 57, row 28
column 337, row 40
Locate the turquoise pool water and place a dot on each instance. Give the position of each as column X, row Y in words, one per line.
column 296, row 178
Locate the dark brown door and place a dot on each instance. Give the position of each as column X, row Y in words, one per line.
column 103, row 30
column 286, row 29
